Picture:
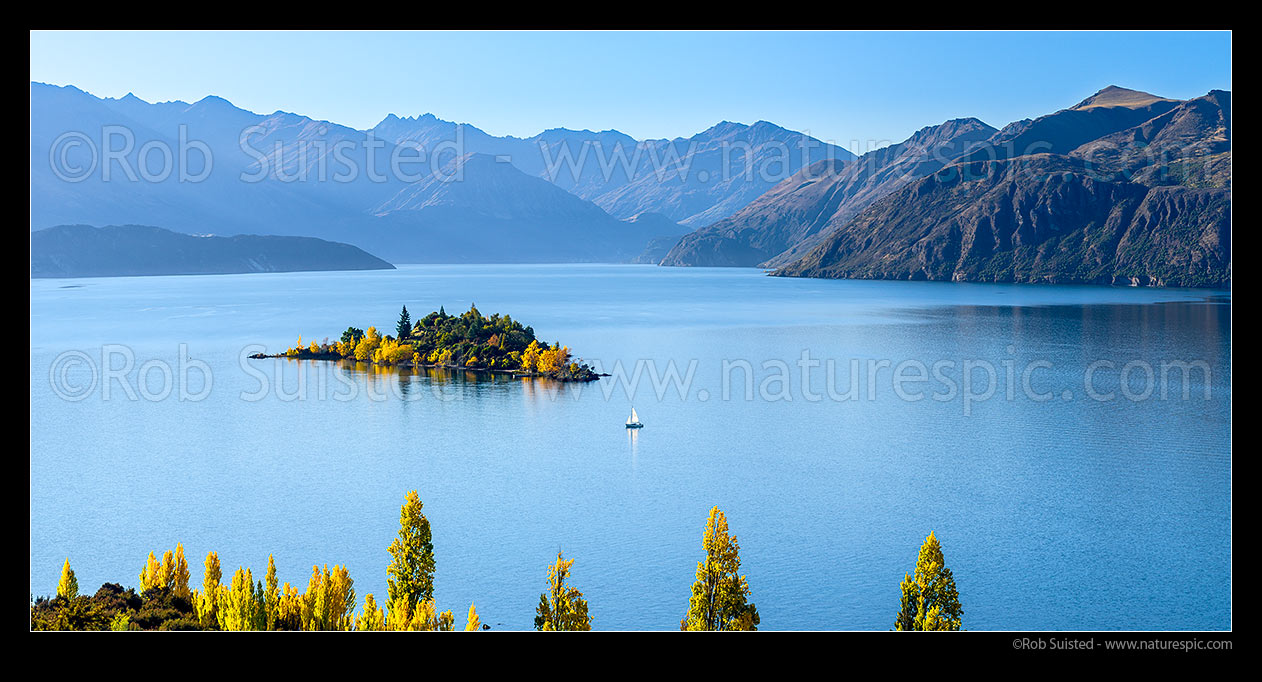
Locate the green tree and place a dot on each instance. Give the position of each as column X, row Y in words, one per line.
column 410, row 576
column 562, row 607
column 929, row 598
column 404, row 328
column 68, row 586
column 720, row 596
column 352, row 336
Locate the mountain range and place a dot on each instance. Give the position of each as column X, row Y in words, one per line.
column 415, row 189
column 1124, row 187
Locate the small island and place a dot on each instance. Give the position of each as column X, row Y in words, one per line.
column 468, row 341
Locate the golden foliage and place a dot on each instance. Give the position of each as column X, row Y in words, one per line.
column 562, row 607
column 929, row 598
column 720, row 595
column 68, row 586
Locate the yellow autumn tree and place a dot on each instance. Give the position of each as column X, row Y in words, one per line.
column 207, row 603
column 410, row 575
column 68, row 586
column 423, row 617
column 271, row 597
column 562, row 607
column 370, row 619
column 151, row 574
column 171, row 573
column 471, row 622
column 367, row 344
column 179, row 574
column 330, row 600
column 553, row 360
column 929, row 598
column 720, row 595
column 290, row 608
column 240, row 605
column 530, row 357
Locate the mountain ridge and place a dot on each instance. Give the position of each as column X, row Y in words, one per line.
column 144, row 250
column 1146, row 202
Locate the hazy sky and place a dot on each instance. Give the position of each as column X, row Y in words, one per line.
column 859, row 90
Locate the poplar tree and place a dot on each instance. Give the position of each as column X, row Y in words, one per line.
column 929, row 598
column 720, row 595
column 207, row 602
column 271, row 598
column 371, row 619
column 410, row 576
column 180, row 574
column 472, row 623
column 241, row 604
column 562, row 607
column 68, row 586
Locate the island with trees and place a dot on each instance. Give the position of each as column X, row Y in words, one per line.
column 469, row 341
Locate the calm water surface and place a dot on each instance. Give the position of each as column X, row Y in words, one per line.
column 1060, row 513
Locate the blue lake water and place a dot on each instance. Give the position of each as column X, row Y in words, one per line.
column 1059, row 505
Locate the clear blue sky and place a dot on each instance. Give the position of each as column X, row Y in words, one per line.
column 855, row 89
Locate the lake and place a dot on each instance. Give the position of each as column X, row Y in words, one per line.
column 1034, row 437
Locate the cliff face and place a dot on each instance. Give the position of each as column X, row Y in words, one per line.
column 1043, row 218
column 1147, row 201
column 821, row 197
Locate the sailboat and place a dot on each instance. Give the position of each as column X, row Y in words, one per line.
column 633, row 422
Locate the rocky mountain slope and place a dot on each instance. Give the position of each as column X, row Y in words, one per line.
column 822, row 197
column 1123, row 188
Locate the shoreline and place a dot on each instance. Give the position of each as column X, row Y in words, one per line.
column 408, row 364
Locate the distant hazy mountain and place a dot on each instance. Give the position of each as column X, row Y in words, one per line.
column 284, row 173
column 656, row 223
column 822, row 197
column 131, row 250
column 272, row 184
column 483, row 209
column 692, row 181
column 1124, row 187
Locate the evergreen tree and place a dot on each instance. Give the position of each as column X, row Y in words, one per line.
column 720, row 596
column 929, row 598
column 404, row 327
column 410, row 576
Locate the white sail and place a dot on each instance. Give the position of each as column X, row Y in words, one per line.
column 634, row 417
